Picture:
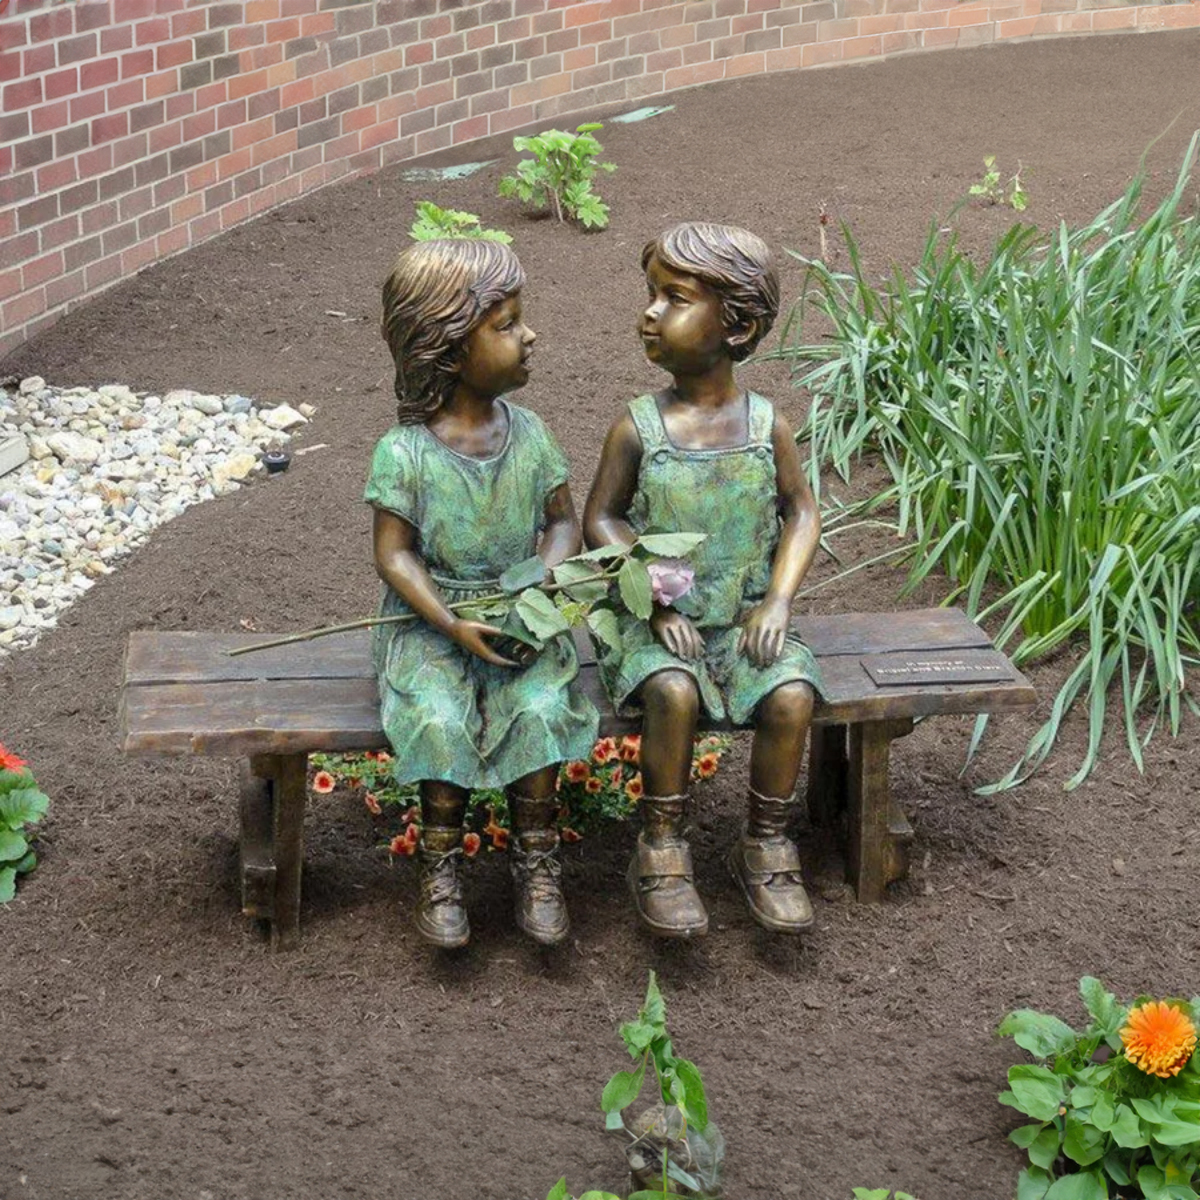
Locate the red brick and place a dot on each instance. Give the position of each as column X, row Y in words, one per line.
column 696, row 73
column 149, row 32
column 163, row 84
column 77, row 49
column 115, row 38
column 170, row 241
column 13, row 34
column 64, row 288
column 58, row 22
column 20, row 310
column 58, row 233
column 37, row 59
column 10, row 282
column 818, row 53
column 93, row 162
column 122, row 95
column 189, row 23
column 98, row 73
column 51, row 116
column 62, row 83
column 24, row 94
column 55, row 175
column 138, row 62
column 245, row 85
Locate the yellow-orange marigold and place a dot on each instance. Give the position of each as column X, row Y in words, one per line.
column 323, row 783
column 1159, row 1038
column 576, row 772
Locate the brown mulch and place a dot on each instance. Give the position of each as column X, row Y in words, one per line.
column 150, row 1047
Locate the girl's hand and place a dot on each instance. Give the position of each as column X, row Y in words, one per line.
column 473, row 635
column 677, row 633
column 764, row 631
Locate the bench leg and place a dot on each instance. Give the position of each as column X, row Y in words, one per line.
column 272, row 842
column 827, row 770
column 878, row 833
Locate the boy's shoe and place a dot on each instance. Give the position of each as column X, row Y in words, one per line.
column 768, row 871
column 663, row 884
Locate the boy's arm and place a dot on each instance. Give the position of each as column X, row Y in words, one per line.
column 560, row 537
column 765, row 628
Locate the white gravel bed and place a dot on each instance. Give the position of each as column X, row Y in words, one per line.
column 106, row 466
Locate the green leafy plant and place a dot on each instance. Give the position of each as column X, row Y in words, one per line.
column 989, row 190
column 560, row 174
column 880, row 1194
column 1116, row 1104
column 559, row 1192
column 1039, row 415
column 22, row 805
column 433, row 222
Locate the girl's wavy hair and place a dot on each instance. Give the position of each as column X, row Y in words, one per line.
column 735, row 263
column 436, row 293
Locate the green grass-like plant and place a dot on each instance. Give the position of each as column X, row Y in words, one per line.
column 560, row 174
column 1039, row 414
column 432, row 222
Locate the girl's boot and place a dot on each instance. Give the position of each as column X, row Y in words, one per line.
column 539, row 907
column 660, row 873
column 766, row 865
column 441, row 915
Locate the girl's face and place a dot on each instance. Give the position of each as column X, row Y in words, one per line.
column 681, row 328
column 496, row 355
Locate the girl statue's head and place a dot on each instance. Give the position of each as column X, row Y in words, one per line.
column 434, row 296
column 736, row 265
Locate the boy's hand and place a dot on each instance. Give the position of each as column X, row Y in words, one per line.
column 764, row 631
column 677, row 633
column 473, row 635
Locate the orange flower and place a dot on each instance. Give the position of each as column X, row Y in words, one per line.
column 576, row 772
column 471, row 843
column 372, row 804
column 323, row 783
column 412, row 834
column 409, row 815
column 631, row 747
column 593, row 785
column 634, row 789
column 604, row 751
column 570, row 835
column 9, row 761
column 354, row 781
column 706, row 765
column 405, row 843
column 500, row 838
column 615, row 776
column 1159, row 1038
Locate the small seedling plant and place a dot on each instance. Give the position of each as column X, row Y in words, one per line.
column 881, row 1194
column 432, row 222
column 989, row 190
column 560, row 174
column 1115, row 1105
column 22, row 805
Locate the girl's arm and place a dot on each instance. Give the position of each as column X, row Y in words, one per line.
column 399, row 566
column 766, row 626
column 560, row 538
column 605, row 524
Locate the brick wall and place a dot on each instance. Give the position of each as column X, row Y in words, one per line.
column 132, row 129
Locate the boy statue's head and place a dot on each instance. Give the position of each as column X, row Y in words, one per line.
column 736, row 265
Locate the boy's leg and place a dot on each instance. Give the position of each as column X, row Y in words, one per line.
column 441, row 916
column 660, row 874
column 764, row 861
column 541, row 911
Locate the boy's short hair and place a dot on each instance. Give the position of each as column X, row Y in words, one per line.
column 436, row 293
column 736, row 264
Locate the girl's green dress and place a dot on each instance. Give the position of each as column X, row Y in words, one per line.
column 731, row 495
column 448, row 714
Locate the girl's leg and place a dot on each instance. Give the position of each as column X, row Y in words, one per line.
column 541, row 911
column 660, row 874
column 441, row 916
column 764, row 861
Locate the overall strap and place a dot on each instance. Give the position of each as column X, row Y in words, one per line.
column 649, row 423
column 760, row 420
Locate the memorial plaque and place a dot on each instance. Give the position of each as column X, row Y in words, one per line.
column 909, row 668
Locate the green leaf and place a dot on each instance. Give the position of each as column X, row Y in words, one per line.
column 8, row 884
column 13, row 846
column 27, row 863
column 594, row 1195
column 604, row 553
column 1127, row 1130
column 1038, row 1091
column 570, row 572
column 1043, row 1150
column 1103, row 1113
column 654, row 1008
column 670, row 545
column 1041, row 1034
column 872, row 1193
column 522, row 575
column 637, row 1036
column 514, row 626
column 654, row 1195
column 1086, row 1185
column 1101, row 1004
column 1082, row 1143
column 22, row 806
column 1115, row 1165
column 622, row 1089
column 633, row 582
column 1032, row 1183
column 605, row 628
column 695, row 1101
column 540, row 614
column 558, row 1191
column 1024, row 1135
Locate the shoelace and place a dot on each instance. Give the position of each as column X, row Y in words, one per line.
column 542, row 872
column 442, row 883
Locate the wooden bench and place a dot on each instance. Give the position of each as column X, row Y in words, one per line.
column 183, row 694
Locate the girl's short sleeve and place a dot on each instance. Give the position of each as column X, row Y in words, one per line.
column 392, row 483
column 555, row 469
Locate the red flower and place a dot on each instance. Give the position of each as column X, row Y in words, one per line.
column 631, row 747
column 706, row 765
column 471, row 843
column 372, row 804
column 570, row 835
column 576, row 772
column 354, row 781
column 593, row 785
column 409, row 814
column 500, row 838
column 323, row 783
column 604, row 751
column 403, row 844
column 9, row 761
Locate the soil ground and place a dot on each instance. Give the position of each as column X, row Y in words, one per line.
column 153, row 1049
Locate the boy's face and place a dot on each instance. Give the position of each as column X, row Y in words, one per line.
column 681, row 328
column 497, row 351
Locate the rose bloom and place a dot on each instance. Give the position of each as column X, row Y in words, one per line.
column 593, row 785
column 706, row 765
column 9, row 761
column 372, row 804
column 604, row 751
column 1159, row 1038
column 471, row 843
column 571, row 835
column 634, row 789
column 670, row 579
column 576, row 772
column 631, row 747
column 323, row 783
